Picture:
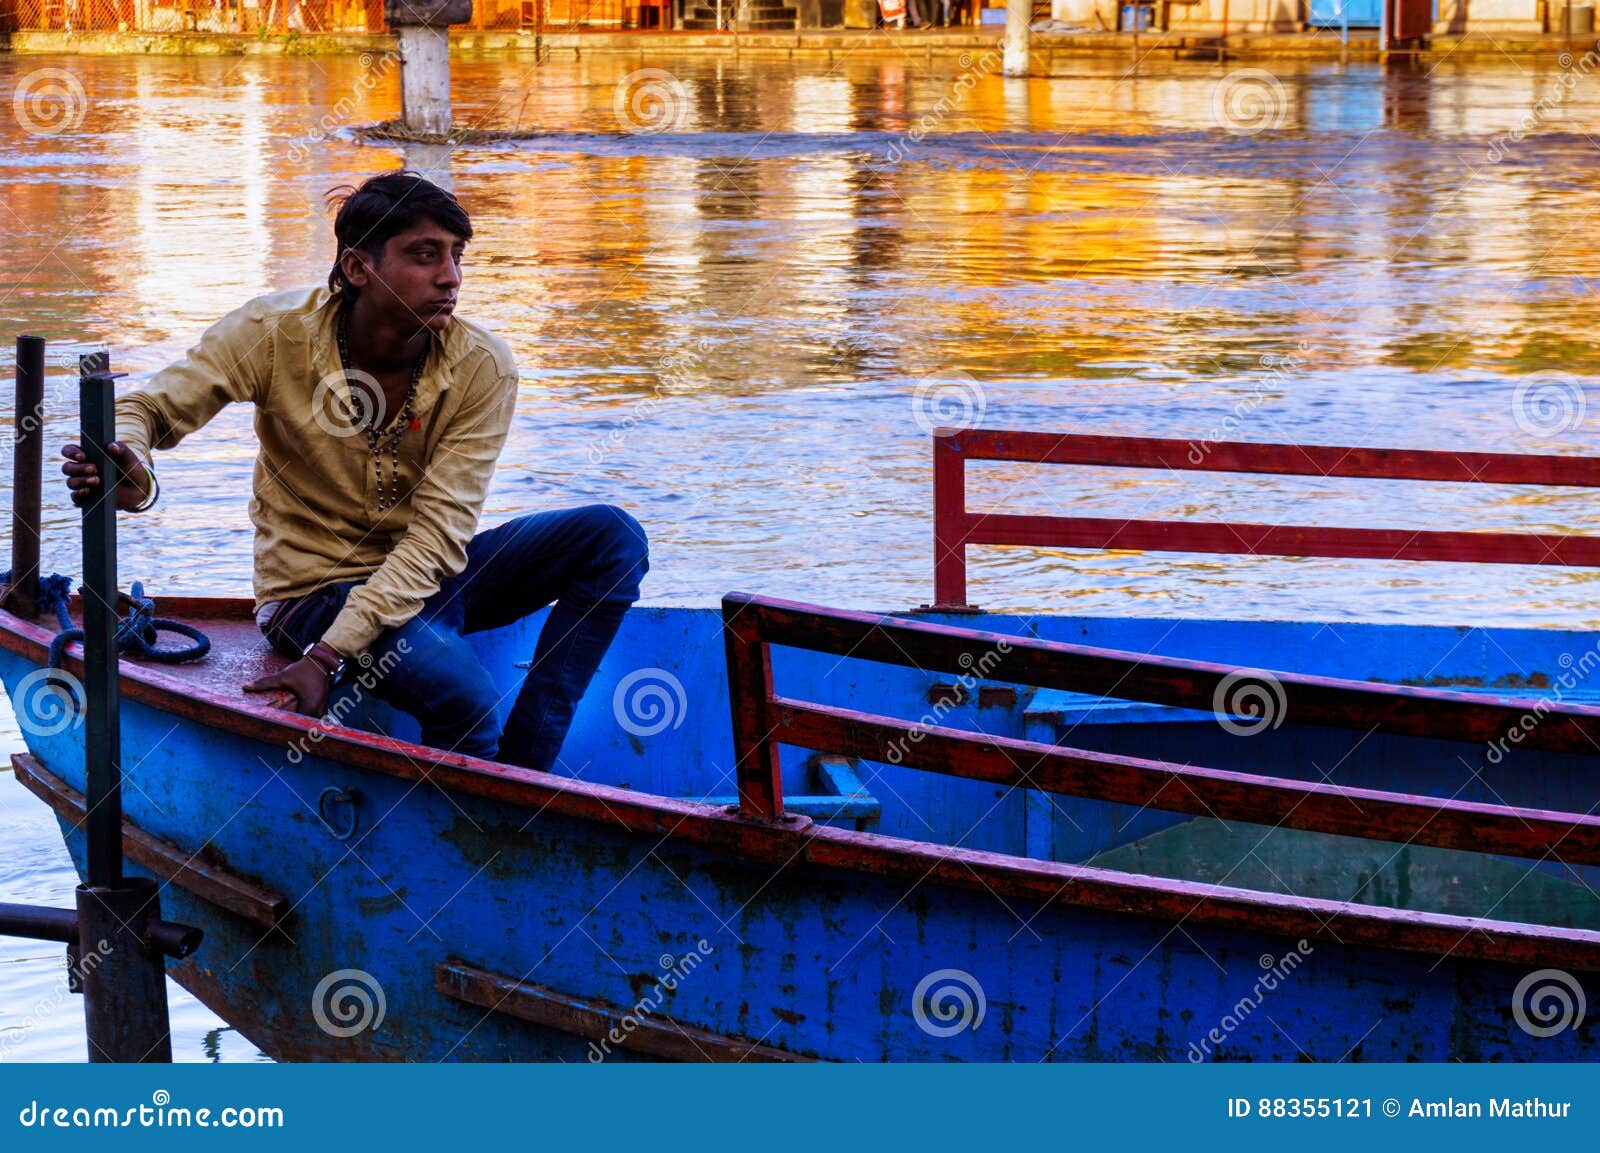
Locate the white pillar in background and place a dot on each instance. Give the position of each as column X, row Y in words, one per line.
column 1019, row 20
column 425, row 79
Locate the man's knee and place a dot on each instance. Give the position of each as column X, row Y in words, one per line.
column 621, row 544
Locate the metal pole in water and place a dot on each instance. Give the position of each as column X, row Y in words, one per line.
column 116, row 939
column 125, row 990
column 27, row 469
column 102, row 733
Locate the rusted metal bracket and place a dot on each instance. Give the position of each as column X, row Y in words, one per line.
column 650, row 1034
column 207, row 880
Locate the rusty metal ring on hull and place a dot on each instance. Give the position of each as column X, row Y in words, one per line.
column 331, row 797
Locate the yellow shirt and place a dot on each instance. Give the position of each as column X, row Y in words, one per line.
column 315, row 505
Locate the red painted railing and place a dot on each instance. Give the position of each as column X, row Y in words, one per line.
column 763, row 719
column 955, row 527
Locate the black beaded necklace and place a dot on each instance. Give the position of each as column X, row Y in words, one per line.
column 387, row 439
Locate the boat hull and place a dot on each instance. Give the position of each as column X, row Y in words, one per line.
column 800, row 939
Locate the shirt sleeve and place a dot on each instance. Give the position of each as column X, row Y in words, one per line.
column 444, row 515
column 232, row 362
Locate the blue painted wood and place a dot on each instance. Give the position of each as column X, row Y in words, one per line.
column 814, row 959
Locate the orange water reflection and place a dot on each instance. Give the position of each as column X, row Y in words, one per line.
column 741, row 327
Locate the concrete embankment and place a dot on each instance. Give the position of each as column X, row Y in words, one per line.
column 966, row 46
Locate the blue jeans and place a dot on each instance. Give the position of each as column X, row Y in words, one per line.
column 588, row 561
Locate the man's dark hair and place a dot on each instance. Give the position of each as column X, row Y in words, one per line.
column 385, row 206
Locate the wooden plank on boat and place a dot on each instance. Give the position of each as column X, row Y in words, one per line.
column 1342, row 923
column 1401, row 709
column 652, row 1034
column 1470, row 826
column 206, row 879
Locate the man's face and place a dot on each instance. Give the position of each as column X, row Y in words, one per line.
column 417, row 276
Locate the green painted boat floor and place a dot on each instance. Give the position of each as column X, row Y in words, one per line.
column 1382, row 873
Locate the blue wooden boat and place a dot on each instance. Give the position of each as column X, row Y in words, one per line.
column 794, row 832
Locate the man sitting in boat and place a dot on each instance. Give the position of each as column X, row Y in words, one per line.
column 380, row 416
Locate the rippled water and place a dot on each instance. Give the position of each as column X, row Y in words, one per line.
column 743, row 327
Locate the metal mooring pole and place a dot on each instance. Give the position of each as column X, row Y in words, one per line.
column 125, row 989
column 115, row 938
column 27, row 477
column 102, row 733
